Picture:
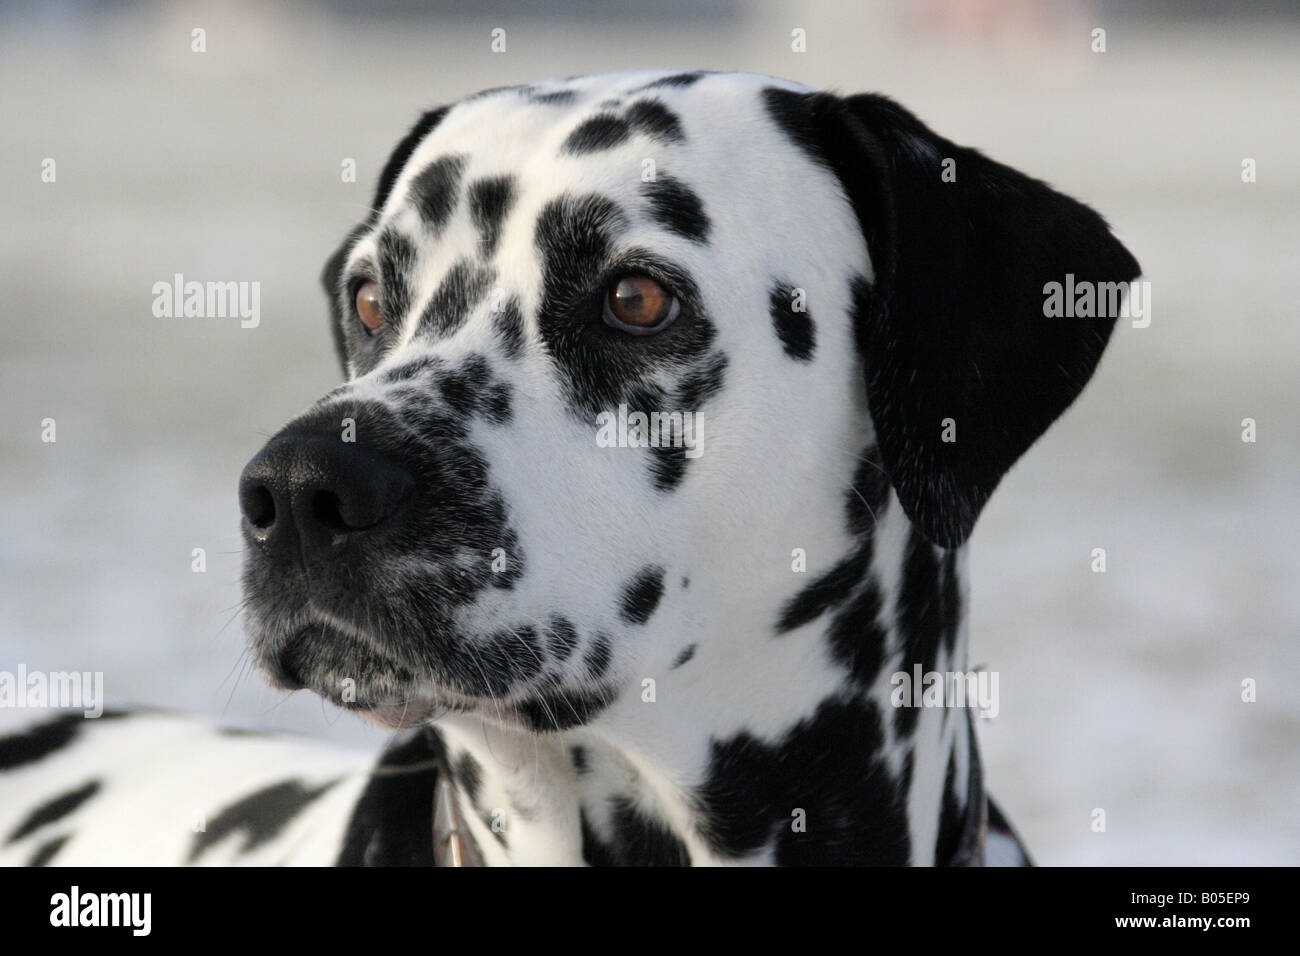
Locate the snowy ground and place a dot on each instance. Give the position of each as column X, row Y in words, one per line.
column 1119, row 690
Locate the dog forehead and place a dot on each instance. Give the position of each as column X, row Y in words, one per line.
column 608, row 133
column 694, row 169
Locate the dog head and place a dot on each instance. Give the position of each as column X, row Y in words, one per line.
column 617, row 346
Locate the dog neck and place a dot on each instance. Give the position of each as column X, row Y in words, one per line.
column 801, row 747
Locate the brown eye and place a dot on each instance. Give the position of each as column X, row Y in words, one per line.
column 640, row 305
column 368, row 306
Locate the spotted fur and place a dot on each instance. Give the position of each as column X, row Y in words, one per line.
column 624, row 655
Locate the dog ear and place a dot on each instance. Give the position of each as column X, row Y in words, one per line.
column 964, row 368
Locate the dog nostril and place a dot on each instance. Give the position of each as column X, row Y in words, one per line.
column 286, row 672
column 306, row 493
column 327, row 509
column 259, row 507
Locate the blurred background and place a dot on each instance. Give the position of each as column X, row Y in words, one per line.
column 1119, row 690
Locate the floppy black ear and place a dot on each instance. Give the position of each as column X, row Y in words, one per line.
column 954, row 325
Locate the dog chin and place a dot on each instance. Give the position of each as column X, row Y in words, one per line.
column 401, row 713
column 398, row 714
column 345, row 669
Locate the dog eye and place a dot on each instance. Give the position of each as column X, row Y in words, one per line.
column 368, row 306
column 640, row 305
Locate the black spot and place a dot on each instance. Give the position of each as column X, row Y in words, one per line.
column 562, row 638
column 401, row 153
column 509, row 323
column 679, row 80
column 864, row 504
column 392, row 822
column 463, row 387
column 795, row 329
column 435, row 191
column 676, row 206
column 259, row 817
column 696, row 386
column 411, row 370
column 791, row 111
column 497, row 404
column 396, row 263
column 595, row 851
column 825, row 592
column 856, row 636
column 952, row 816
column 599, row 366
column 554, row 98
column 636, row 840
column 828, row 765
column 578, row 754
column 685, row 655
column 599, row 132
column 527, row 637
column 598, row 657
column 655, row 120
column 54, row 809
column 641, row 595
column 667, row 461
column 39, row 742
column 45, row 852
column 469, row 775
column 927, row 612
column 489, row 203
column 511, row 656
column 574, row 236
column 702, row 382
column 464, row 285
column 564, row 709
column 667, row 467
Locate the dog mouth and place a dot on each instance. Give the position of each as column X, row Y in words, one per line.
column 401, row 663
column 355, row 675
column 347, row 671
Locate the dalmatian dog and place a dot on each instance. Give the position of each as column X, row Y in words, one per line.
column 671, row 401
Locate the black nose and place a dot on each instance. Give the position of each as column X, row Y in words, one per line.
column 312, row 492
